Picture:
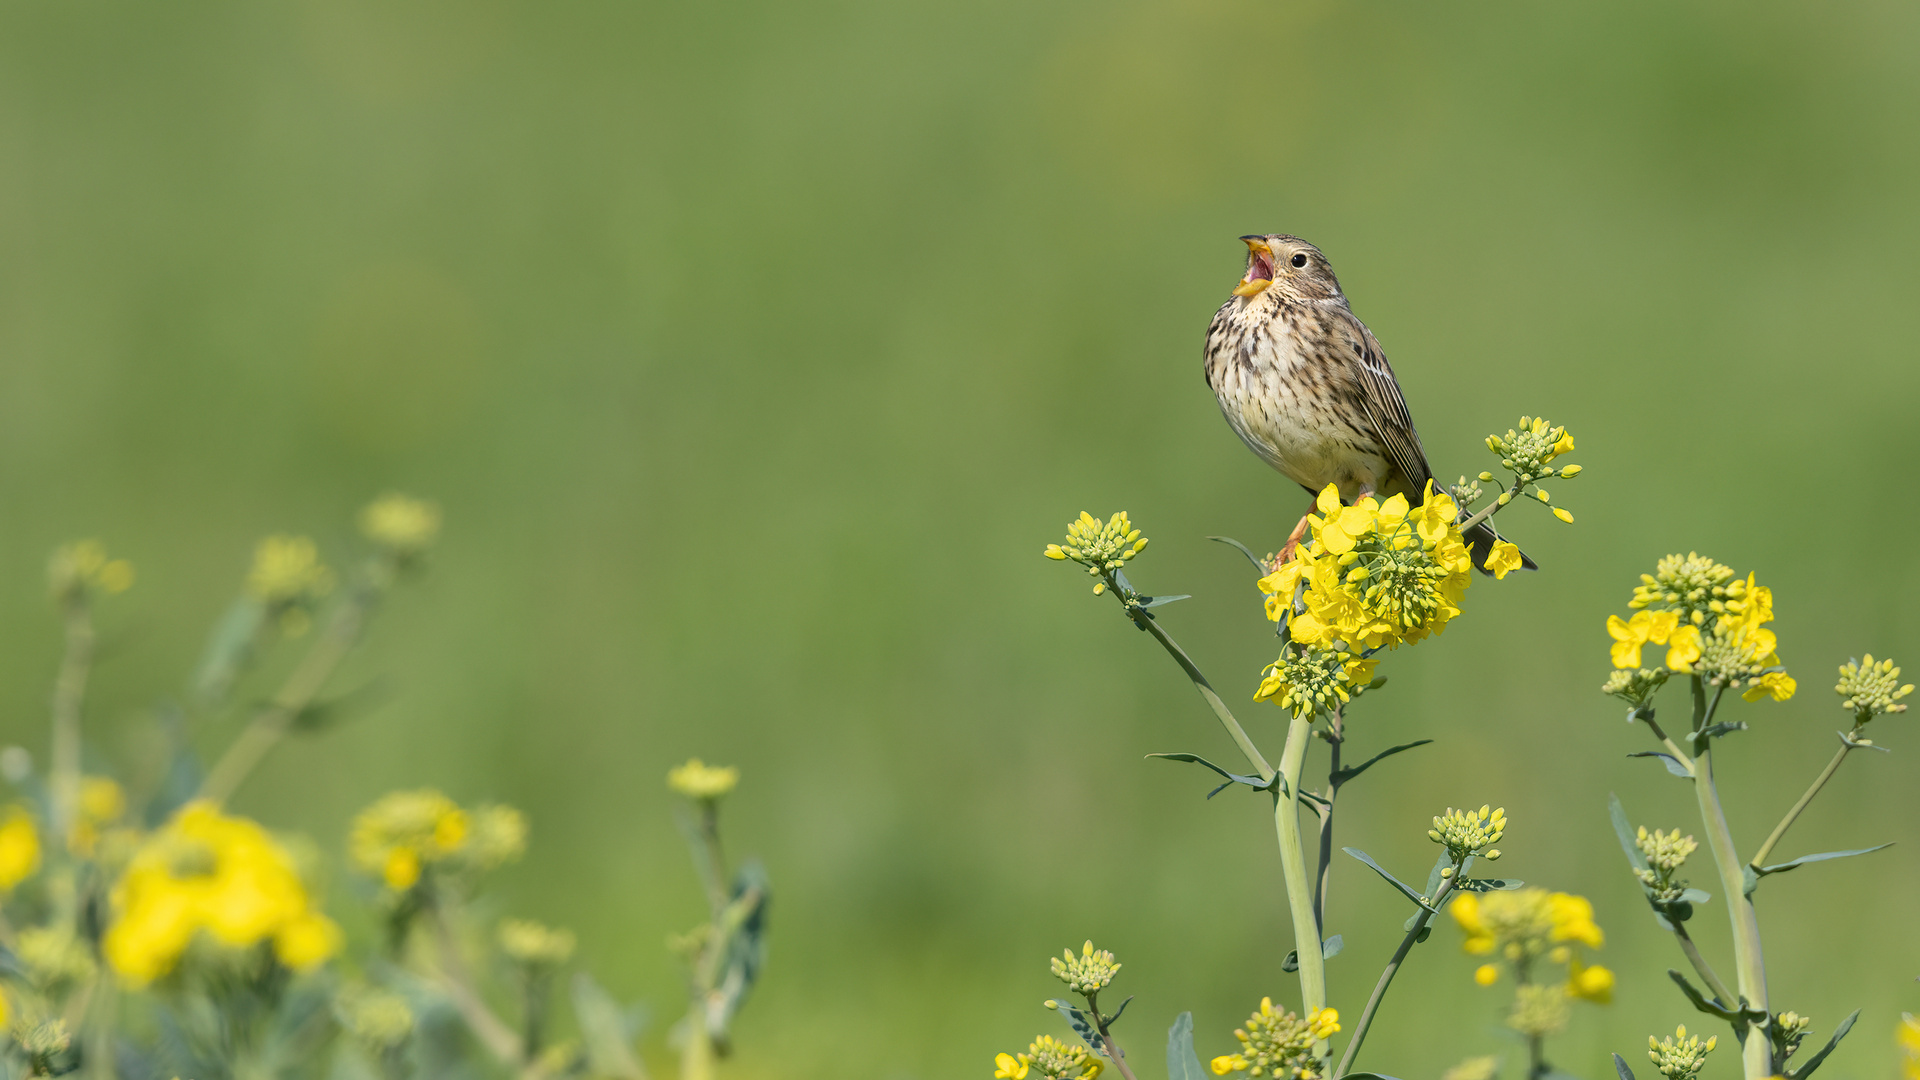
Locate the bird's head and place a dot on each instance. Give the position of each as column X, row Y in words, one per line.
column 1287, row 266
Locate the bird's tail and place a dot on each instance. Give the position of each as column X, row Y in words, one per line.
column 1480, row 540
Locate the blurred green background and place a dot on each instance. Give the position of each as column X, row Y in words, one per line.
column 755, row 350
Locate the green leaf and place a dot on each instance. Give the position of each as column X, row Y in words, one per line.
column 1242, row 548
column 1367, row 1076
column 1115, row 1018
column 1749, row 880
column 1488, row 884
column 605, row 1033
column 1696, row 896
column 1674, row 765
column 1711, row 1008
column 1162, row 601
column 1781, row 868
column 1620, row 1067
column 1182, row 1062
column 1077, row 1020
column 1277, row 784
column 1390, row 879
column 1352, row 771
column 1329, row 949
column 1812, row 1063
column 1433, row 876
column 1701, row 739
column 1623, row 829
column 746, row 949
column 229, row 650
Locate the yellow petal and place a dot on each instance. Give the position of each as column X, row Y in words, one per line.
column 1328, row 501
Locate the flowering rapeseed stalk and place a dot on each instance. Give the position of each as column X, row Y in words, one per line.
column 406, row 834
column 1277, row 1045
column 1679, row 1056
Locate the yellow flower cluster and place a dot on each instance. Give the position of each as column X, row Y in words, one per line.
column 698, row 780
column 1908, row 1035
column 1315, row 679
column 287, row 570
column 530, row 943
column 1712, row 624
column 1679, row 1056
column 1277, row 1045
column 403, row 834
column 206, row 871
column 403, row 525
column 1665, row 853
column 1087, row 973
column 1374, row 574
column 1101, row 548
column 19, row 847
column 1051, row 1058
column 1470, row 832
column 1529, row 452
column 1527, row 924
column 101, row 804
column 1869, row 688
column 82, row 567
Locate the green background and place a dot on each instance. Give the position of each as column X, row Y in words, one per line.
column 755, row 351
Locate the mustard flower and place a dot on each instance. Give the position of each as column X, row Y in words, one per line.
column 403, row 525
column 206, row 872
column 1315, row 679
column 697, row 780
column 286, row 571
column 1679, row 1056
column 377, row 1018
column 1504, row 560
column 529, row 943
column 1276, row 1044
column 404, row 833
column 1870, row 688
column 1540, row 1009
column 1101, row 548
column 19, row 847
column 82, row 567
column 1469, row 832
column 1009, row 1067
column 1908, row 1036
column 1057, row 1060
column 1088, row 973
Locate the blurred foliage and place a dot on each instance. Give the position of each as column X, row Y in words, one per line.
column 692, row 317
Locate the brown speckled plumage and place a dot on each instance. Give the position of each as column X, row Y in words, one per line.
column 1306, row 386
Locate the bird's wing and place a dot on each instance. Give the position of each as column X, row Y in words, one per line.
column 1386, row 407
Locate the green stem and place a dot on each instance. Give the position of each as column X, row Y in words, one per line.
column 1495, row 507
column 1102, row 1024
column 274, row 720
column 1407, row 943
column 1847, row 746
column 1293, row 865
column 1750, row 973
column 1700, row 964
column 1146, row 622
column 69, row 693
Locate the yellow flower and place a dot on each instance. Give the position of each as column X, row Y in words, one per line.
column 1466, row 914
column 1227, row 1063
column 1008, row 1067
column 1908, row 1036
column 101, row 803
column 1323, row 1023
column 287, row 570
column 1593, row 984
column 83, row 565
column 697, row 780
column 1504, row 560
column 206, row 872
column 404, row 525
column 1685, row 648
column 1564, row 446
column 19, row 847
column 1486, row 974
column 1573, row 920
column 1777, row 685
column 402, row 869
column 1645, row 627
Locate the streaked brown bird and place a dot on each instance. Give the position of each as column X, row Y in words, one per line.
column 1305, row 385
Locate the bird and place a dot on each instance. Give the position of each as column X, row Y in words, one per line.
column 1306, row 386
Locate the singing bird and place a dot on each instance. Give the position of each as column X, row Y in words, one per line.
column 1305, row 385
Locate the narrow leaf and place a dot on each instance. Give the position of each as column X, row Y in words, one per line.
column 1489, row 884
column 1232, row 778
column 1620, row 1067
column 1352, row 771
column 1115, row 1018
column 1696, row 896
column 1812, row 1063
column 1674, row 765
column 1433, row 876
column 1711, row 1008
column 1781, row 868
column 1331, row 947
column 1389, row 878
column 1182, row 1062
column 1242, row 548
column 1367, row 1076
column 1625, row 831
column 1163, row 601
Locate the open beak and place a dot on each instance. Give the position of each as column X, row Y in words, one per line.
column 1259, row 268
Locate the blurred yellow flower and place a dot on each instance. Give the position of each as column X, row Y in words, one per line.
column 101, row 804
column 1593, row 983
column 19, row 847
column 1908, row 1036
column 206, row 871
column 698, row 780
column 83, row 566
column 405, row 832
column 404, row 525
column 1486, row 974
column 287, row 570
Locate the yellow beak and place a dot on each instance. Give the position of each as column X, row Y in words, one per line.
column 1254, row 286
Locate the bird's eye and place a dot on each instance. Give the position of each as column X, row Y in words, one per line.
column 1299, row 260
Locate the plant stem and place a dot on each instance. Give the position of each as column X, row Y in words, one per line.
column 1700, row 964
column 69, row 692
column 1847, row 746
column 272, row 722
column 1102, row 1024
column 1145, row 621
column 1322, row 878
column 1386, row 976
column 492, row 1032
column 1495, row 507
column 1749, row 963
column 1293, row 866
